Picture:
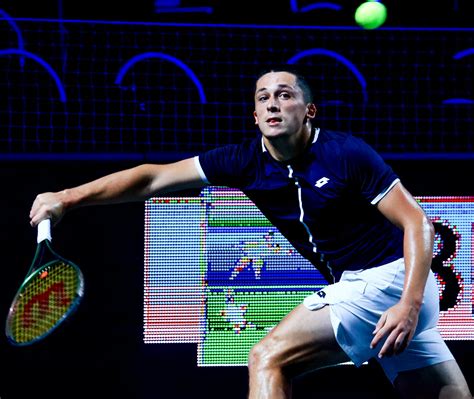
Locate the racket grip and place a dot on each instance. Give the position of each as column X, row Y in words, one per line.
column 44, row 230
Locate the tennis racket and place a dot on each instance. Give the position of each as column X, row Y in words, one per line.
column 50, row 292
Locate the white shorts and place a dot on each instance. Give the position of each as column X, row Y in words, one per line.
column 358, row 300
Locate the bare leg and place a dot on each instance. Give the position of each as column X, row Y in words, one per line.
column 440, row 381
column 303, row 341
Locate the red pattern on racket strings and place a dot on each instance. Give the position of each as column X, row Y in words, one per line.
column 42, row 299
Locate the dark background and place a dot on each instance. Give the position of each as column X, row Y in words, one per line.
column 421, row 13
column 99, row 352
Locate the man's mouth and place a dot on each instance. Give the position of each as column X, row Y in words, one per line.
column 273, row 121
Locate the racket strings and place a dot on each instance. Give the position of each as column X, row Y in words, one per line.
column 45, row 300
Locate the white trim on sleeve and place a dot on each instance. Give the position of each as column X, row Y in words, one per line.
column 199, row 169
column 384, row 193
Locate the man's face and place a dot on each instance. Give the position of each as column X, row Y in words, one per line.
column 280, row 109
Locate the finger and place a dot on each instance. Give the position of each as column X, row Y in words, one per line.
column 380, row 323
column 378, row 336
column 34, row 221
column 34, row 208
column 388, row 346
column 37, row 217
column 379, row 331
column 400, row 344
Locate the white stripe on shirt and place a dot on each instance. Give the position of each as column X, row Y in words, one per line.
column 384, row 193
column 199, row 169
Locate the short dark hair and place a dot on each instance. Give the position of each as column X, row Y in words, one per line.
column 300, row 79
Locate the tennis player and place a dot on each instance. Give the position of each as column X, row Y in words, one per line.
column 343, row 208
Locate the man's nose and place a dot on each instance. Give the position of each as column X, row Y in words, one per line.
column 272, row 104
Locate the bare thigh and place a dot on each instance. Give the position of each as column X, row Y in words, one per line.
column 442, row 380
column 303, row 341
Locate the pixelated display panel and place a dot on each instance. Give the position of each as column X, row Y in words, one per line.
column 174, row 266
column 222, row 276
column 453, row 263
column 72, row 87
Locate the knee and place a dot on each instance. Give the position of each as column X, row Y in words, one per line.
column 263, row 356
column 451, row 391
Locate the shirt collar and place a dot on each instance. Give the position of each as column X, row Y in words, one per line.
column 315, row 134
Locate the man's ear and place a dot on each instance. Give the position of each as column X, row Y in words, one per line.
column 255, row 117
column 312, row 111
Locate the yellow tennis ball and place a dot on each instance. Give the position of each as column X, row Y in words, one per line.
column 371, row 14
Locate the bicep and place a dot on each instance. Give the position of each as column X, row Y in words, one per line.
column 399, row 206
column 175, row 176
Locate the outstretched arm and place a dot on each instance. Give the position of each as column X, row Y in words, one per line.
column 135, row 184
column 399, row 322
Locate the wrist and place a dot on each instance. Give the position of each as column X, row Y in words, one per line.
column 68, row 199
column 414, row 302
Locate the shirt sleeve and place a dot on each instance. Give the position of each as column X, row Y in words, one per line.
column 224, row 166
column 367, row 171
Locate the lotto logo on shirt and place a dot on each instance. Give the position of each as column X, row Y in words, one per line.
column 321, row 182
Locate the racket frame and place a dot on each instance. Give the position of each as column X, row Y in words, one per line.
column 43, row 247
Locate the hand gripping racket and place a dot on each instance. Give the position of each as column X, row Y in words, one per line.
column 50, row 292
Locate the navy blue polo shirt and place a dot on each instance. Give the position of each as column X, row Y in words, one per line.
column 323, row 201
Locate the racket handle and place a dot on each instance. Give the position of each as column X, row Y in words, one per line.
column 44, row 230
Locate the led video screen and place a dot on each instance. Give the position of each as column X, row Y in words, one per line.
column 218, row 274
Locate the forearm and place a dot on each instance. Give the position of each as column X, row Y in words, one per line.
column 129, row 185
column 418, row 254
column 125, row 186
column 398, row 323
column 401, row 209
column 135, row 184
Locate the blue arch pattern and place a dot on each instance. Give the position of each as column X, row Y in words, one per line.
column 15, row 27
column 189, row 72
column 315, row 6
column 338, row 57
column 43, row 63
column 463, row 53
column 459, row 55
